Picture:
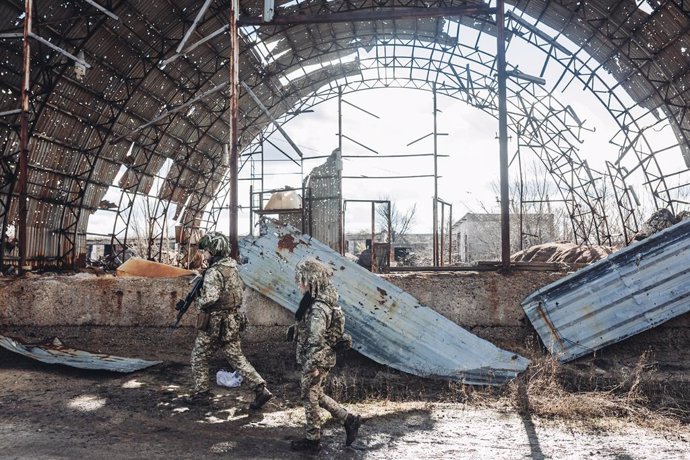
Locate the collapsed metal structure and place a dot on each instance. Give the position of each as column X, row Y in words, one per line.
column 139, row 96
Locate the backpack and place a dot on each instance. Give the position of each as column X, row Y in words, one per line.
column 335, row 334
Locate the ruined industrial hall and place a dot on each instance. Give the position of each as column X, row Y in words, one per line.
column 345, row 229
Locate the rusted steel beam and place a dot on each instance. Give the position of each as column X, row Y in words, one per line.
column 24, row 135
column 369, row 15
column 234, row 111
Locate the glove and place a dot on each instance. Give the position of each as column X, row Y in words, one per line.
column 179, row 305
column 290, row 334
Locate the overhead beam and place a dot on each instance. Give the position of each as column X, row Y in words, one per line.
column 273, row 120
column 170, row 112
column 193, row 46
column 269, row 10
column 369, row 15
column 191, row 30
column 103, row 10
column 48, row 44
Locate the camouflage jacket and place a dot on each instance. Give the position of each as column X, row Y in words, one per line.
column 313, row 349
column 222, row 288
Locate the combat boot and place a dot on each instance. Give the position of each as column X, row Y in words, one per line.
column 262, row 397
column 306, row 445
column 352, row 424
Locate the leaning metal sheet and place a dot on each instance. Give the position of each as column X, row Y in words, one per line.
column 55, row 352
column 387, row 324
column 634, row 289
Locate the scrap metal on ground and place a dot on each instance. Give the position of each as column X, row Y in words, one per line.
column 387, row 324
column 634, row 289
column 55, row 352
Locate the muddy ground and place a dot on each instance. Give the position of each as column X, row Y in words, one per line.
column 52, row 411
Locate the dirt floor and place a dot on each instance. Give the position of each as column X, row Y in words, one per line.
column 614, row 406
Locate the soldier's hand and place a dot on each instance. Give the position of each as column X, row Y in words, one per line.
column 179, row 305
column 315, row 373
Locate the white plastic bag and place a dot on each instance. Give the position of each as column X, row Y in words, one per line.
column 228, row 379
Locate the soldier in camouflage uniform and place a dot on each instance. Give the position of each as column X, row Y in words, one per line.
column 320, row 325
column 220, row 322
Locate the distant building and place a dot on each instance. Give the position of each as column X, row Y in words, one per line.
column 478, row 236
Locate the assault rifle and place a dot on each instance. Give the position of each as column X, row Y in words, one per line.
column 182, row 305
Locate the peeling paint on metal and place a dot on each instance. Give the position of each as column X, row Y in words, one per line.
column 55, row 352
column 634, row 289
column 387, row 324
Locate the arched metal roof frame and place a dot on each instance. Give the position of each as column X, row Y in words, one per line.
column 668, row 98
column 556, row 126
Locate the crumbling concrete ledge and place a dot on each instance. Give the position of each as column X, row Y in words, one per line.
column 470, row 299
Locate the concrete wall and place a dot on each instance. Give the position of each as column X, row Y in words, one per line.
column 485, row 303
column 469, row 298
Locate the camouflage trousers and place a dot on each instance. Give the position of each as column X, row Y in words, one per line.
column 205, row 347
column 312, row 397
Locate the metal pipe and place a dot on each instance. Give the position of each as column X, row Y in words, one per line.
column 59, row 50
column 191, row 30
column 435, row 208
column 234, row 110
column 10, row 112
column 503, row 133
column 450, row 236
column 269, row 10
column 102, row 10
column 193, row 46
column 270, row 117
column 170, row 112
column 251, row 210
column 373, row 235
column 24, row 136
column 443, row 231
column 341, row 223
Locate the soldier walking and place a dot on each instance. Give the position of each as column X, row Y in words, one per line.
column 320, row 328
column 220, row 322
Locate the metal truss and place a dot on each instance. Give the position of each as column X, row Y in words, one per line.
column 293, row 67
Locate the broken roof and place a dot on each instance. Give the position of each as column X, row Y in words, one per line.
column 142, row 104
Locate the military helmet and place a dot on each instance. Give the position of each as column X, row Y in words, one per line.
column 216, row 243
column 313, row 273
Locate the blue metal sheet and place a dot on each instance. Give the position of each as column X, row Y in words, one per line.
column 634, row 289
column 387, row 324
column 56, row 352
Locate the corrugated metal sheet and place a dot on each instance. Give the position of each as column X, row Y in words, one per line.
column 634, row 289
column 387, row 324
column 56, row 352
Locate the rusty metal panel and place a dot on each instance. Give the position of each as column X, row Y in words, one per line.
column 55, row 352
column 634, row 289
column 387, row 324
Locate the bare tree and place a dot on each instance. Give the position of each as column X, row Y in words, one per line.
column 400, row 221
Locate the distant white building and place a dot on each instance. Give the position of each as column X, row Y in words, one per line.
column 478, row 236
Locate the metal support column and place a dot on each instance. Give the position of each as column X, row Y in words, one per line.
column 234, row 109
column 341, row 211
column 435, row 208
column 503, row 133
column 24, row 136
